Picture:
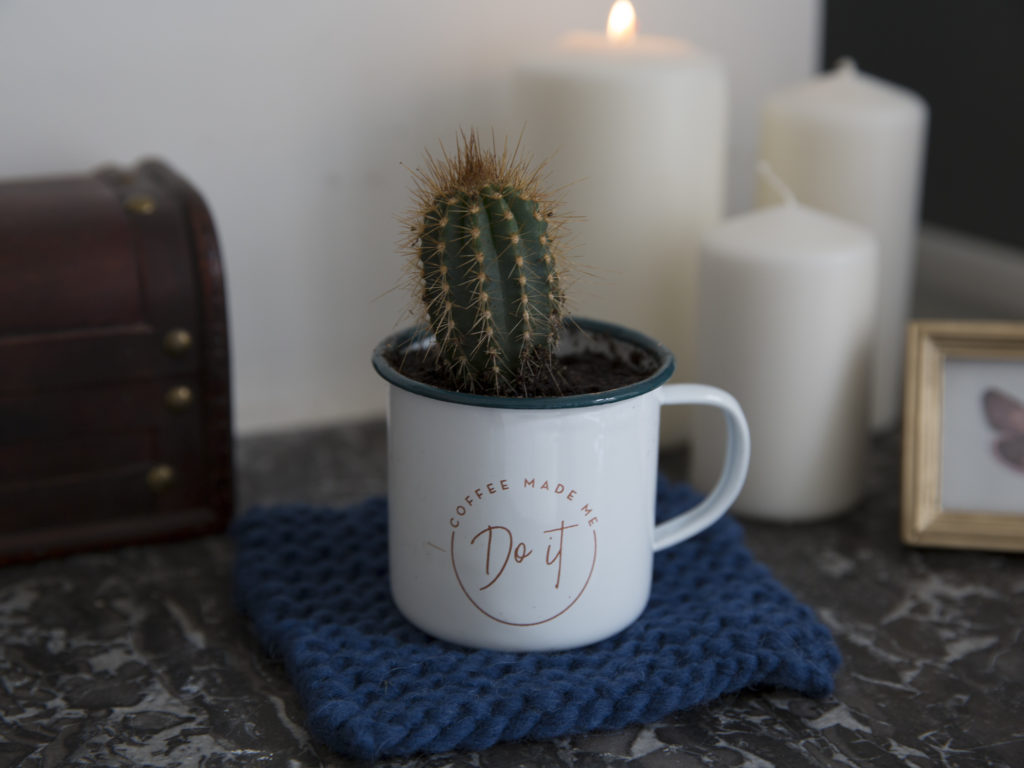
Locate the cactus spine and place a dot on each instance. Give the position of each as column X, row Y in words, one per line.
column 484, row 249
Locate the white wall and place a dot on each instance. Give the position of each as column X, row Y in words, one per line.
column 293, row 118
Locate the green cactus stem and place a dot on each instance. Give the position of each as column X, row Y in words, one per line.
column 484, row 247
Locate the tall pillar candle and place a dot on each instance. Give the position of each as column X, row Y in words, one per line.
column 787, row 307
column 854, row 145
column 636, row 130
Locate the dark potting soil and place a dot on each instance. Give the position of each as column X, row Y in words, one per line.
column 576, row 374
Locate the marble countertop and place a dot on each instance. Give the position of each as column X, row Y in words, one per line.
column 138, row 657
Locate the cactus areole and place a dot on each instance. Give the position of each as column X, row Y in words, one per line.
column 484, row 252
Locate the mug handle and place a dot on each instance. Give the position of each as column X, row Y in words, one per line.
column 734, row 470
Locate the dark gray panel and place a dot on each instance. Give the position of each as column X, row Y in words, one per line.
column 967, row 60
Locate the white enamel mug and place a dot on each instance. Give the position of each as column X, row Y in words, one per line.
column 528, row 524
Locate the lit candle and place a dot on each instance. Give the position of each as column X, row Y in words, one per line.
column 854, row 146
column 635, row 126
column 787, row 309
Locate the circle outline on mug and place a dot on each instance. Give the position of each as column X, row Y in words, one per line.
column 458, row 578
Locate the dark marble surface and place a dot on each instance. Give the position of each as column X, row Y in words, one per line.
column 137, row 656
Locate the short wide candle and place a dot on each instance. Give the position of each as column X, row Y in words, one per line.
column 853, row 145
column 787, row 307
column 636, row 130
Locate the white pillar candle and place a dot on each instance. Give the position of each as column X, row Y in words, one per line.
column 787, row 306
column 635, row 126
column 854, row 145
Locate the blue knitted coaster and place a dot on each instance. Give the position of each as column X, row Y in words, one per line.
column 315, row 584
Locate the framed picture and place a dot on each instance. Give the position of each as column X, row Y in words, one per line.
column 963, row 436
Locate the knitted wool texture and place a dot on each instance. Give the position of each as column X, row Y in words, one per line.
column 314, row 583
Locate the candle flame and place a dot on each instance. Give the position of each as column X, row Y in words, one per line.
column 621, row 22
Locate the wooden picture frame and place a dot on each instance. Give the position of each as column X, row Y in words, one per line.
column 963, row 435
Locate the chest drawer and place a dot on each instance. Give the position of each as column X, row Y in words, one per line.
column 115, row 423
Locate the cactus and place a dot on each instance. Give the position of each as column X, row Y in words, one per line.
column 484, row 252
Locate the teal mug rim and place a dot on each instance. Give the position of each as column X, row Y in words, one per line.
column 658, row 351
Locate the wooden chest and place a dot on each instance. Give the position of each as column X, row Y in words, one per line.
column 115, row 420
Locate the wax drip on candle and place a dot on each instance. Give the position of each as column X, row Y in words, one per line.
column 772, row 179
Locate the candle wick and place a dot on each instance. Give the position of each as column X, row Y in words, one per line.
column 846, row 65
column 776, row 183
